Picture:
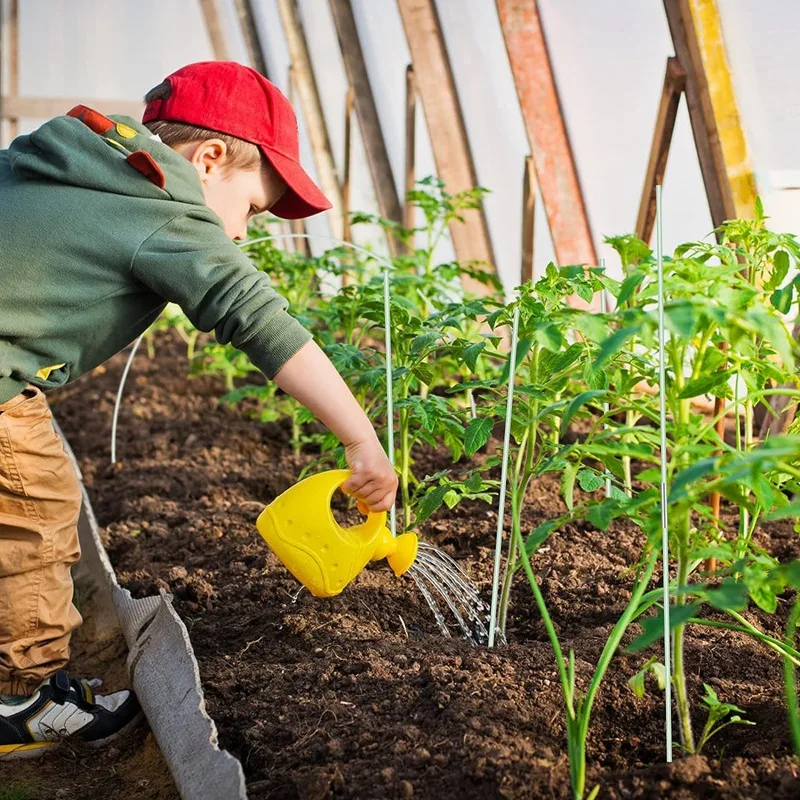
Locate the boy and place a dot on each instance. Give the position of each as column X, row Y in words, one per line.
column 102, row 221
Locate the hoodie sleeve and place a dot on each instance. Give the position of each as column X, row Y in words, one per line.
column 190, row 261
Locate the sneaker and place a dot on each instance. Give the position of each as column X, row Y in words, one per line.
column 64, row 708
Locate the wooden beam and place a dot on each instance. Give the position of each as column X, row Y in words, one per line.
column 48, row 107
column 349, row 103
column 528, row 212
column 13, row 67
column 410, row 166
column 301, row 246
column 674, row 82
column 701, row 111
column 252, row 41
column 366, row 112
column 547, row 133
column 711, row 43
column 451, row 150
column 216, row 34
column 306, row 88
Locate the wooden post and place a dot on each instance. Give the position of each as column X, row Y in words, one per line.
column 252, row 40
column 306, row 89
column 528, row 210
column 367, row 114
column 451, row 150
column 409, row 176
column 301, row 246
column 348, row 136
column 701, row 111
column 556, row 172
column 409, row 169
column 674, row 82
column 12, row 93
column 216, row 34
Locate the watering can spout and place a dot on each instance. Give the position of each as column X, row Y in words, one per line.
column 301, row 530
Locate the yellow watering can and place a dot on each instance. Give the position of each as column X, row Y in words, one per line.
column 300, row 528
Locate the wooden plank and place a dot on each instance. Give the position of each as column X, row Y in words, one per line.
column 216, row 34
column 306, row 89
column 410, row 167
column 252, row 40
column 547, row 133
column 701, row 111
column 674, row 82
column 366, row 112
column 48, row 107
column 528, row 212
column 13, row 67
column 711, row 43
column 349, row 103
column 451, row 150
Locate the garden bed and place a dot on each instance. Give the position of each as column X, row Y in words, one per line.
column 360, row 696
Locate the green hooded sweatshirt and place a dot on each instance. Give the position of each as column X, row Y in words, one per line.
column 91, row 250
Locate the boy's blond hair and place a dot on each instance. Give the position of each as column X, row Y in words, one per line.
column 241, row 154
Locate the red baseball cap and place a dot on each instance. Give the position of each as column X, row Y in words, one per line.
column 230, row 98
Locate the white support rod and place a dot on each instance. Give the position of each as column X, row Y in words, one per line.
column 604, row 310
column 501, row 505
column 387, row 324
column 664, row 493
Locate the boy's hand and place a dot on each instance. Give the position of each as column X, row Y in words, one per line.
column 312, row 380
column 373, row 482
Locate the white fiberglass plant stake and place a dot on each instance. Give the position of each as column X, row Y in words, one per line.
column 387, row 266
column 664, row 509
column 387, row 325
column 604, row 310
column 501, row 505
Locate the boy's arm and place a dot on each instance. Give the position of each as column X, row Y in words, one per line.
column 190, row 261
column 312, row 380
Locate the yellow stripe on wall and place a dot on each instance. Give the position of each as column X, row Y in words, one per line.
column 708, row 26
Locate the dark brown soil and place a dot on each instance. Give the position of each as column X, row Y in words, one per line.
column 359, row 696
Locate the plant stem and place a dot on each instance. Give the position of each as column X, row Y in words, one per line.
column 683, row 524
column 790, row 677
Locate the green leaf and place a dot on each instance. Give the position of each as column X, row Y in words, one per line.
column 705, row 384
column 540, row 535
column 763, row 595
column 780, row 269
column 423, row 373
column 614, row 344
column 629, row 286
column 681, row 318
column 589, row 480
column 474, row 483
column 575, row 404
column 653, row 627
column 657, row 669
column 523, row 347
column 568, row 484
column 690, row 475
column 477, row 434
column 471, row 354
column 601, row 514
column 781, row 299
column 731, row 595
column 451, row 498
column 549, row 337
column 430, row 502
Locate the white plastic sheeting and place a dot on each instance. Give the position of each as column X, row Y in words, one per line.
column 608, row 59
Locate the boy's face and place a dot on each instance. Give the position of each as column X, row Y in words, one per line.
column 235, row 195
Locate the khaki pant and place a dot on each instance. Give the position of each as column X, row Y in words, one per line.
column 39, row 505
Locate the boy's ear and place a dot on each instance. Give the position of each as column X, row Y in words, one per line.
column 209, row 156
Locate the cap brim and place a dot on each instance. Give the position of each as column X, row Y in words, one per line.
column 302, row 197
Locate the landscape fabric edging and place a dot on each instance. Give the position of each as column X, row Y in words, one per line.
column 163, row 671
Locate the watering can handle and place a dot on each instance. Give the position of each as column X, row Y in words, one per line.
column 374, row 521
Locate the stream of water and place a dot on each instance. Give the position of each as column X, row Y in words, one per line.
column 451, row 595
